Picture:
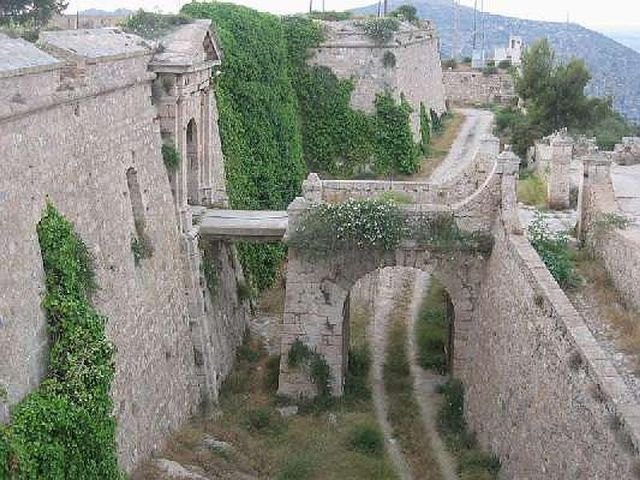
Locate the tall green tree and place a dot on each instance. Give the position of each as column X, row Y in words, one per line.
column 32, row 13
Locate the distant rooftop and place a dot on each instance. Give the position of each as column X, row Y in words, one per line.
column 189, row 44
column 96, row 43
column 17, row 54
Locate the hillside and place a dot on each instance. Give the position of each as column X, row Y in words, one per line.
column 626, row 37
column 615, row 67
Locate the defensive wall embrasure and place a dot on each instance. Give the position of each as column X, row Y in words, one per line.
column 541, row 393
column 408, row 65
column 78, row 129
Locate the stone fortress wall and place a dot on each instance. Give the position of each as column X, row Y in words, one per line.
column 474, row 88
column 412, row 67
column 79, row 129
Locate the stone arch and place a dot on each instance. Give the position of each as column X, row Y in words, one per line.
column 193, row 164
column 318, row 289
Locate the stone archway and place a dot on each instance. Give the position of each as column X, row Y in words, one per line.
column 193, row 164
column 317, row 291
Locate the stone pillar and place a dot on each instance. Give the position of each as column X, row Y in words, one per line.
column 313, row 314
column 558, row 182
column 488, row 151
column 509, row 168
column 312, row 188
column 596, row 180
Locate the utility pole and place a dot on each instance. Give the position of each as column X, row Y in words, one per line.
column 322, row 6
column 310, row 7
column 475, row 23
column 456, row 30
column 385, row 8
column 379, row 8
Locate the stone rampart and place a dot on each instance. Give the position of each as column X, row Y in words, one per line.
column 408, row 65
column 78, row 129
column 541, row 393
column 475, row 88
column 618, row 249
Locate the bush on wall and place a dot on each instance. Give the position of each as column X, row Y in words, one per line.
column 65, row 429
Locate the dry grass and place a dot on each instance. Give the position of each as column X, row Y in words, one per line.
column 532, row 190
column 403, row 409
column 441, row 144
column 265, row 445
column 599, row 290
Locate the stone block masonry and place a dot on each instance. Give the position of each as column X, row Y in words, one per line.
column 473, row 88
column 412, row 66
column 77, row 128
column 540, row 392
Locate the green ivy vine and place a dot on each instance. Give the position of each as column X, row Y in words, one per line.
column 65, row 429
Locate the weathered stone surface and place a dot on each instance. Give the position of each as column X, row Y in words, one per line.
column 477, row 89
column 171, row 470
column 77, row 133
column 416, row 72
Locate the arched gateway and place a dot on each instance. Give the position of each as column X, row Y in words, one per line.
column 318, row 288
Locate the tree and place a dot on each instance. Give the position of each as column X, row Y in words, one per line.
column 32, row 13
column 408, row 12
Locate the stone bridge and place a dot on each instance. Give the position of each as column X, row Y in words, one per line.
column 317, row 291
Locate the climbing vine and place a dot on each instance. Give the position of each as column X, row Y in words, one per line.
column 65, row 429
column 425, row 130
column 395, row 150
column 259, row 122
column 319, row 371
column 280, row 117
column 170, row 156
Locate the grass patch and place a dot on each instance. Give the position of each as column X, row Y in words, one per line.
column 403, row 409
column 532, row 189
column 598, row 289
column 441, row 142
column 473, row 464
column 366, row 438
column 432, row 330
column 265, row 445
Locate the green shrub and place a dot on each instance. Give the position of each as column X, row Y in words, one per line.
column 381, row 30
column 300, row 355
column 357, row 382
column 425, row 130
column 406, row 12
column 395, row 150
column 554, row 251
column 331, row 16
column 366, row 439
column 432, row 334
column 272, row 374
column 297, row 467
column 65, row 429
column 532, row 189
column 259, row 420
column 170, row 156
column 352, row 225
column 153, row 25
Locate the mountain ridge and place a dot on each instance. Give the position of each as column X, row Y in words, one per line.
column 615, row 68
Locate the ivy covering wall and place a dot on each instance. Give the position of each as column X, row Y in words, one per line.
column 280, row 118
column 65, row 430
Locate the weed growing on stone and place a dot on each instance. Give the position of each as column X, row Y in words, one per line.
column 473, row 464
column 432, row 330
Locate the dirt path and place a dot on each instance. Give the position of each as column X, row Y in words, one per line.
column 386, row 289
column 425, row 384
column 477, row 124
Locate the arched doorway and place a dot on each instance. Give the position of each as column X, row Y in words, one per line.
column 193, row 164
column 318, row 293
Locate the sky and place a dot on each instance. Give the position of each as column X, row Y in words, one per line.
column 590, row 13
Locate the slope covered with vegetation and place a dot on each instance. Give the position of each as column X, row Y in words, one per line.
column 280, row 118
